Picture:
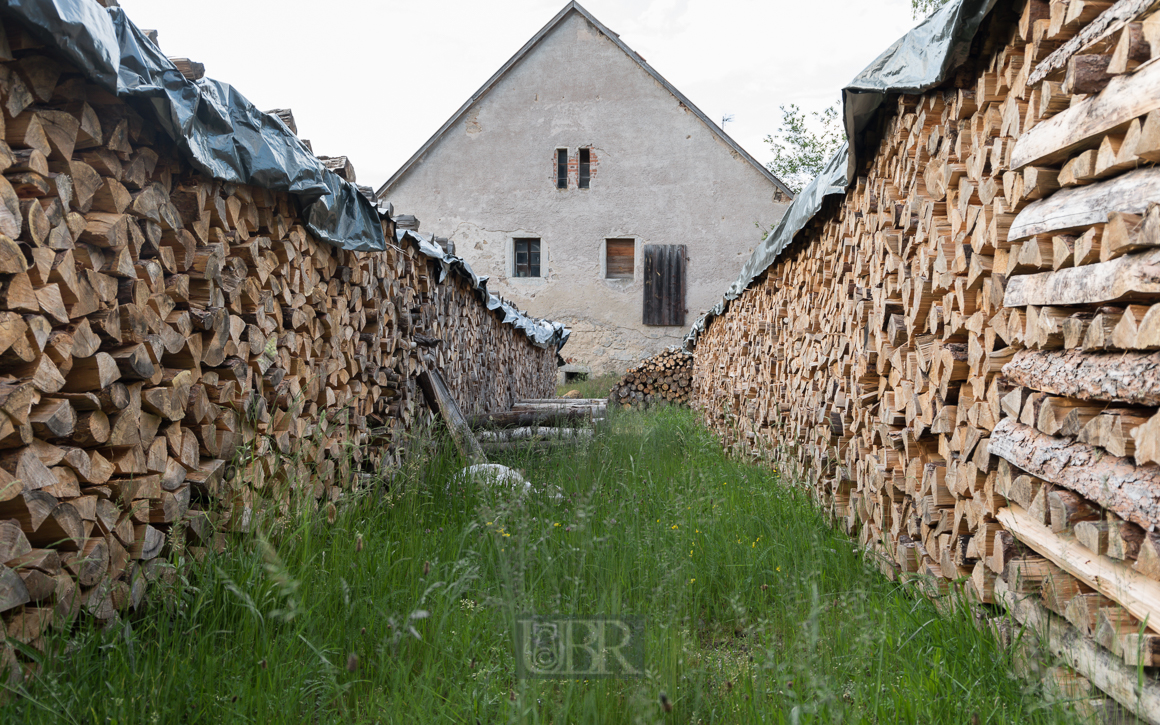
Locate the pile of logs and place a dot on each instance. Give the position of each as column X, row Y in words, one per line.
column 664, row 377
column 540, row 424
column 179, row 356
column 960, row 356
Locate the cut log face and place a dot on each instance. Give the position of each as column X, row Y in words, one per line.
column 973, row 328
column 168, row 341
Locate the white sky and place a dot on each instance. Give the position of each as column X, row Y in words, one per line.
column 374, row 79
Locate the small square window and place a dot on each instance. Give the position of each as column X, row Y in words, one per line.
column 619, row 258
column 561, row 168
column 527, row 257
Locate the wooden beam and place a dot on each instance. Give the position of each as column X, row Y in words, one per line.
column 1083, row 206
column 436, row 390
column 1129, row 277
column 1135, row 592
column 1125, row 98
column 1117, row 484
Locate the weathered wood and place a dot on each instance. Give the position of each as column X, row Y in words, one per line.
column 1108, row 22
column 1124, row 98
column 534, row 433
column 1130, row 277
column 457, row 424
column 1136, row 593
column 1096, row 663
column 1131, row 377
column 13, row 593
column 1081, row 206
column 1115, row 483
column 517, row 419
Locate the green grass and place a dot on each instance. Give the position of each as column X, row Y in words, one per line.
column 756, row 610
column 591, row 387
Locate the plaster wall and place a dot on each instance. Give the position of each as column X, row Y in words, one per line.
column 660, row 176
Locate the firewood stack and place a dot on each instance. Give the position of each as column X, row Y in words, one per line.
column 664, row 377
column 960, row 356
column 179, row 355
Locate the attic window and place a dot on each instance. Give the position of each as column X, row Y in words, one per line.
column 527, row 257
column 561, row 168
column 619, row 258
column 585, row 168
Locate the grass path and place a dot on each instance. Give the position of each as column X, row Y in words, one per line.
column 402, row 610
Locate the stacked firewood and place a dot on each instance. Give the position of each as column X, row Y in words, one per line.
column 666, row 377
column 179, row 356
column 960, row 355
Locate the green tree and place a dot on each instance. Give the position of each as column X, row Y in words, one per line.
column 924, row 8
column 799, row 153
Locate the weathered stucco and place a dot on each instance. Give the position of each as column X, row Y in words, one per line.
column 660, row 177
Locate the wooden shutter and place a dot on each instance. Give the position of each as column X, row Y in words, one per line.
column 664, row 285
column 619, row 259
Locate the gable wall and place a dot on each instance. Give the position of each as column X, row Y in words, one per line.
column 661, row 177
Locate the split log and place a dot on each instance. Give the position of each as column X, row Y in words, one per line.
column 1131, row 377
column 1137, row 594
column 1117, row 484
column 1133, row 276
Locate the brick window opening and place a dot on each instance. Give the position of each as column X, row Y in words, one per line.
column 527, row 257
column 585, row 168
column 561, row 168
column 619, row 258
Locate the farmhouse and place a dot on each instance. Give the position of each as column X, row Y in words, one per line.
column 591, row 190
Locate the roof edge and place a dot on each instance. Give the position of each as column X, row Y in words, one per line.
column 615, row 38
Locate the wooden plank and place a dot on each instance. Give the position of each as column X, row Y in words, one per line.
column 1107, row 23
column 1126, row 97
column 620, row 259
column 1117, row 484
column 436, row 389
column 1133, row 591
column 1129, row 277
column 1103, row 668
column 1128, row 377
column 1085, row 205
column 677, row 299
column 664, row 285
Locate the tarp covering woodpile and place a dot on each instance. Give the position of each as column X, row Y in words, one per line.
column 182, row 350
column 959, row 352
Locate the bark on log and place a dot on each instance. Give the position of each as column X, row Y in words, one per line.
column 517, row 419
column 1131, row 491
column 1130, row 377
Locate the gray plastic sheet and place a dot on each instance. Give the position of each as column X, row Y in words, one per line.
column 916, row 62
column 222, row 134
column 226, row 137
column 542, row 333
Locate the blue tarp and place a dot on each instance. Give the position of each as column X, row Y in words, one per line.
column 916, row 62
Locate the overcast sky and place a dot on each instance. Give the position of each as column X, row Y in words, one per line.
column 373, row 79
